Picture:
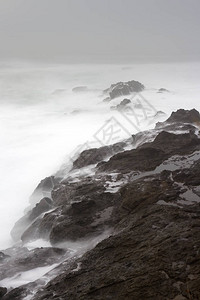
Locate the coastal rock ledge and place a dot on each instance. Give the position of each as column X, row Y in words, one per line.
column 141, row 206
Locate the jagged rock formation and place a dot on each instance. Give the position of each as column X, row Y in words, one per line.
column 182, row 117
column 123, row 89
column 149, row 200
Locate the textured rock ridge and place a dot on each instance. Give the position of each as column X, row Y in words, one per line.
column 147, row 198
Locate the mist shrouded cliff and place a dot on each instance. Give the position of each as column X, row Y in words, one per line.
column 43, row 120
column 132, row 194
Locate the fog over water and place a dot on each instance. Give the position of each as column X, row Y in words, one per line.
column 42, row 120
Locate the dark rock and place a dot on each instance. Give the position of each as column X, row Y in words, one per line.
column 41, row 227
column 44, row 205
column 185, row 116
column 189, row 176
column 152, row 255
column 16, row 294
column 95, row 155
column 40, row 202
column 173, row 144
column 153, row 250
column 162, row 90
column 80, row 219
column 125, row 102
column 138, row 159
column 22, row 224
column 81, row 207
column 182, row 116
column 44, row 189
column 3, row 291
column 149, row 155
column 124, row 88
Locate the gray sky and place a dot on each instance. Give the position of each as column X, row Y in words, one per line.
column 100, row 30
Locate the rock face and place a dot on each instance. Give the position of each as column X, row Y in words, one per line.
column 95, row 155
column 40, row 202
column 124, row 88
column 149, row 200
column 150, row 155
column 183, row 116
column 82, row 210
column 22, row 224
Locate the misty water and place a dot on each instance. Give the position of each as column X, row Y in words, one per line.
column 42, row 119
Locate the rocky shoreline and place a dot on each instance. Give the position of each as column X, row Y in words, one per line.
column 136, row 215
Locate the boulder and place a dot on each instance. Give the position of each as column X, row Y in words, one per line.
column 182, row 116
column 163, row 90
column 124, row 88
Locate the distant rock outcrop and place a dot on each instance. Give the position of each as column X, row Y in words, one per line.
column 162, row 90
column 124, row 88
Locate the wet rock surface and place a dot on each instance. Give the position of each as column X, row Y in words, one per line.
column 44, row 205
column 148, row 198
column 153, row 253
column 78, row 205
column 95, row 155
column 150, row 155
